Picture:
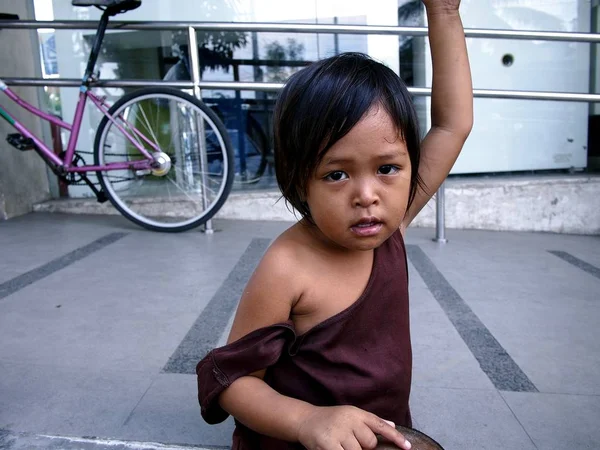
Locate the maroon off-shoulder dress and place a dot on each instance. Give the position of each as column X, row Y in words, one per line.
column 361, row 356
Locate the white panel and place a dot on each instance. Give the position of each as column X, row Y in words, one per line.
column 515, row 135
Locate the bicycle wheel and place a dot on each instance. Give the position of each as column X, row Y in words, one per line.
column 193, row 171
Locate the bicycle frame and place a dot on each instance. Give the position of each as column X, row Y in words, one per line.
column 65, row 164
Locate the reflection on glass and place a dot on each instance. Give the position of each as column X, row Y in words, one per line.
column 410, row 14
column 223, row 56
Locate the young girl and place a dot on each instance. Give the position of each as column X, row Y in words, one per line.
column 319, row 354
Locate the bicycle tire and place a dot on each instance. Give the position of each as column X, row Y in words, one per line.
column 178, row 118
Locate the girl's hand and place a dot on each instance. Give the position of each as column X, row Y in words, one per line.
column 347, row 427
column 442, row 5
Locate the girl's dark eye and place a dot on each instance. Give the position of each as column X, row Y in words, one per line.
column 338, row 175
column 388, row 169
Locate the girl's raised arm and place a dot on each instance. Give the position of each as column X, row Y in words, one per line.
column 451, row 102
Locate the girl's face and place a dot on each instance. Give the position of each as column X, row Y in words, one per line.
column 359, row 192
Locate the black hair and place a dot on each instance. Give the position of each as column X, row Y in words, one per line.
column 321, row 103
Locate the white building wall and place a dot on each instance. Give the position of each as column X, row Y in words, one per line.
column 520, row 135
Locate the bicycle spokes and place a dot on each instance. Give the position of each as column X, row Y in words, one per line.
column 191, row 165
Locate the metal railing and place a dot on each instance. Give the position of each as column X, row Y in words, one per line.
column 194, row 27
column 298, row 28
column 197, row 85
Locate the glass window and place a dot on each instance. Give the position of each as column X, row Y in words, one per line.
column 524, row 135
column 224, row 56
column 527, row 135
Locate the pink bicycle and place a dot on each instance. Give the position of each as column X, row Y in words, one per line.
column 162, row 157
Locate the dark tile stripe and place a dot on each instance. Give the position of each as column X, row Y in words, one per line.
column 11, row 286
column 205, row 332
column 493, row 359
column 586, row 267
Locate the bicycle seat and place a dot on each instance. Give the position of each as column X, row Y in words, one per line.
column 119, row 6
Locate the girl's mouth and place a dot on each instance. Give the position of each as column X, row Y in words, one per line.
column 367, row 227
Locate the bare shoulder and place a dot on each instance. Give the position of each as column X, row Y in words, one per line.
column 273, row 289
column 284, row 252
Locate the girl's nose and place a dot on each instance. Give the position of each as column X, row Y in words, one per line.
column 365, row 195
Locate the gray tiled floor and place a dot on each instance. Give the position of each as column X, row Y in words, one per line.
column 84, row 345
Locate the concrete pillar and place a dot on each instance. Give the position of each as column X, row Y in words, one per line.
column 23, row 175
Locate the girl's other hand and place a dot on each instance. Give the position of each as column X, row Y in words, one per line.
column 442, row 5
column 347, row 427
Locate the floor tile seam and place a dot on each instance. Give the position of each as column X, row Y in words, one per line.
column 101, row 371
column 556, row 393
column 453, row 388
column 517, row 419
column 131, row 413
column 78, row 385
column 105, row 370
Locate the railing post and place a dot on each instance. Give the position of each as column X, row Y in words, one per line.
column 440, row 215
column 195, row 63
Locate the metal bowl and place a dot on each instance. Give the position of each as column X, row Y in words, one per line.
column 419, row 441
